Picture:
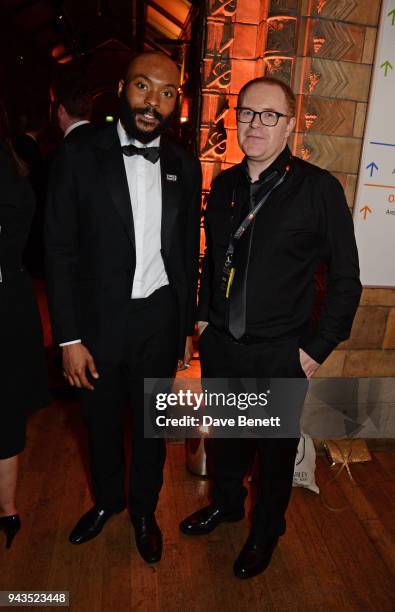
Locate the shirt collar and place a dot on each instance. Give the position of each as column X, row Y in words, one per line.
column 125, row 139
column 279, row 164
column 74, row 125
column 32, row 136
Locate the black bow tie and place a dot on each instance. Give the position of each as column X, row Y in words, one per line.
column 149, row 153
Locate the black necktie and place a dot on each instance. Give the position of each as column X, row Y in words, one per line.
column 149, row 153
column 238, row 293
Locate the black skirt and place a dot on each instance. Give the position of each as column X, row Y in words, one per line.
column 23, row 372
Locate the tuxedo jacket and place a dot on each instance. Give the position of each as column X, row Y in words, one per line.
column 90, row 240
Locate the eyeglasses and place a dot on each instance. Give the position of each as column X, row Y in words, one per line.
column 267, row 117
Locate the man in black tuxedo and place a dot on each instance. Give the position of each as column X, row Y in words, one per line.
column 72, row 105
column 257, row 295
column 122, row 238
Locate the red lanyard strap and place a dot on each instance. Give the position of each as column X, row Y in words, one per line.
column 227, row 274
column 253, row 213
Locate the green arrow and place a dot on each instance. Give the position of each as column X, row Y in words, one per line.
column 387, row 66
column 392, row 14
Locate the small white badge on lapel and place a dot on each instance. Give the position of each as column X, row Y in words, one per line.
column 171, row 177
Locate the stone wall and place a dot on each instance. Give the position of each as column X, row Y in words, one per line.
column 324, row 49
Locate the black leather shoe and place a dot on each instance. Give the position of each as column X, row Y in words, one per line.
column 254, row 557
column 10, row 524
column 91, row 524
column 207, row 519
column 148, row 537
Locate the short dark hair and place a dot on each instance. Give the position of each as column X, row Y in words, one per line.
column 71, row 90
column 289, row 94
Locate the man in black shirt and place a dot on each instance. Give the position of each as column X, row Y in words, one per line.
column 257, row 295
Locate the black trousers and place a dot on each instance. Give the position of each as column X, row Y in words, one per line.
column 231, row 457
column 150, row 351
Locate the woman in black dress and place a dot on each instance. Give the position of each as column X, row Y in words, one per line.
column 23, row 374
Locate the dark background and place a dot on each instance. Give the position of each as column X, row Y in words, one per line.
column 39, row 38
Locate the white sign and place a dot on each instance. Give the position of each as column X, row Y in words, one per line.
column 374, row 210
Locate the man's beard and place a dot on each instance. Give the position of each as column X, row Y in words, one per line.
column 127, row 115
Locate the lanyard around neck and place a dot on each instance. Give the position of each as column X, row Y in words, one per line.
column 253, row 213
column 228, row 271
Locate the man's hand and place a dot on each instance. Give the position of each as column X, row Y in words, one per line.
column 309, row 366
column 188, row 354
column 76, row 358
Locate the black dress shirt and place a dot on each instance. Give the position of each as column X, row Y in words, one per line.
column 305, row 221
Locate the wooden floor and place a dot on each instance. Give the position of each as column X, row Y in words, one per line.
column 335, row 560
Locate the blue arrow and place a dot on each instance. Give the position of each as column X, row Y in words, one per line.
column 372, row 167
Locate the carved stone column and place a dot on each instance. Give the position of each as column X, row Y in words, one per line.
column 280, row 51
column 335, row 50
column 233, row 54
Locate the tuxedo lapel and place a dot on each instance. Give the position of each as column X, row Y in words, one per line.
column 170, row 166
column 110, row 156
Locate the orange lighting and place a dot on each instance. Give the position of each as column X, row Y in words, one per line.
column 302, row 81
column 318, row 41
column 58, row 51
column 321, row 5
column 65, row 59
column 309, row 119
column 60, row 55
column 281, row 18
column 277, row 57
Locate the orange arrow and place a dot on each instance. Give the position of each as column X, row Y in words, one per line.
column 365, row 211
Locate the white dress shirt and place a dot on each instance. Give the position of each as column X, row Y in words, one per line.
column 145, row 188
column 74, row 125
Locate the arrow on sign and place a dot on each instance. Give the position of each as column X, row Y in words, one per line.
column 387, row 66
column 365, row 210
column 392, row 14
column 372, row 167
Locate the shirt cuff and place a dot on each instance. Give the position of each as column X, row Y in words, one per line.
column 318, row 348
column 71, row 342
